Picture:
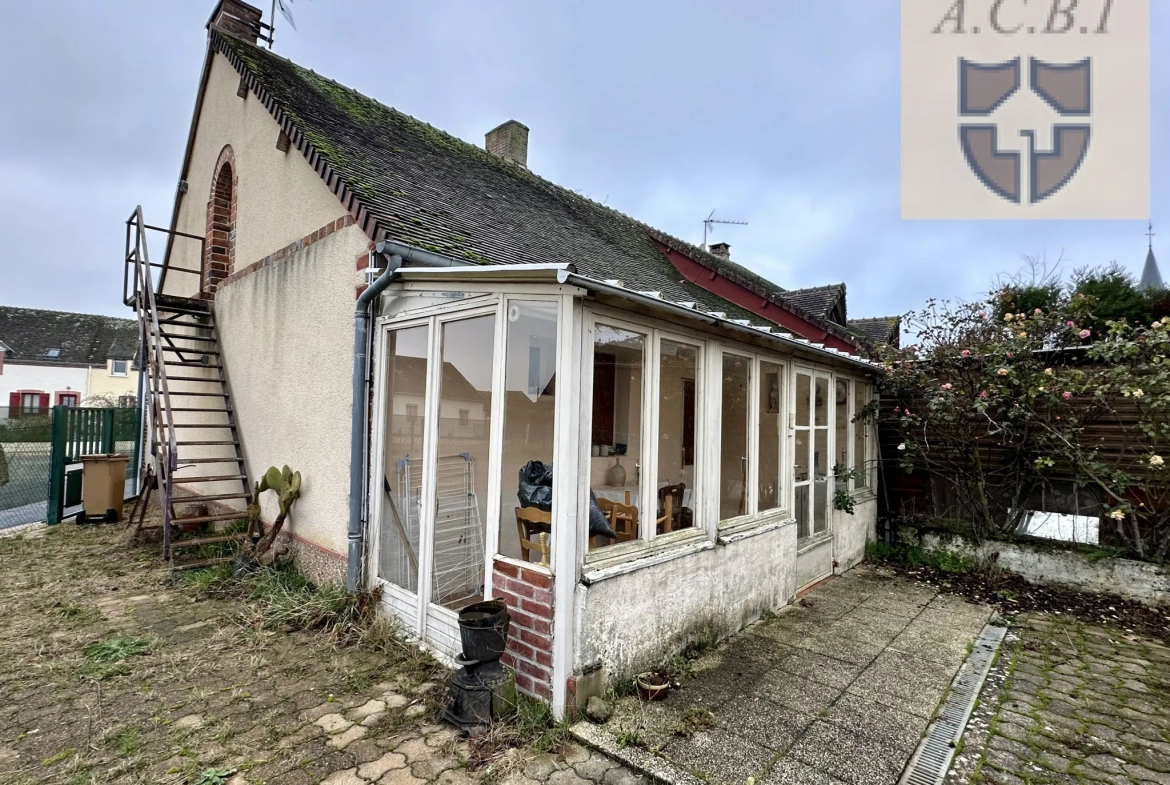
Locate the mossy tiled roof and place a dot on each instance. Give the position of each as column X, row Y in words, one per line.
column 424, row 187
column 63, row 338
column 817, row 301
column 879, row 330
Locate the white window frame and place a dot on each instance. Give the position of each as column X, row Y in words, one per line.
column 814, row 372
column 752, row 512
column 648, row 490
column 114, row 368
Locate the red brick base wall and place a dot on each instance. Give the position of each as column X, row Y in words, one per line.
column 528, row 593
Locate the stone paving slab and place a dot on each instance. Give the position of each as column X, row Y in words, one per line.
column 838, row 688
column 1071, row 703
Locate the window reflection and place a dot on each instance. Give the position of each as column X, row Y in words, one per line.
column 530, row 359
column 733, row 439
column 616, row 452
column 678, row 369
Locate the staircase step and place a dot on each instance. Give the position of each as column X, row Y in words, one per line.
column 219, row 516
column 196, row 408
column 185, row 337
column 214, row 478
column 206, row 444
column 186, row 461
column 215, row 497
column 198, row 565
column 209, row 380
column 184, row 364
column 201, row 425
column 214, row 540
column 188, row 350
column 201, row 394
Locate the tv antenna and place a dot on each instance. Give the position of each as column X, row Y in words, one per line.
column 285, row 8
column 709, row 226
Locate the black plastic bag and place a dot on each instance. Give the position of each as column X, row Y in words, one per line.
column 536, row 486
column 536, row 491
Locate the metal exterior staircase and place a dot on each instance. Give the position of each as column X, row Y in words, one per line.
column 196, row 459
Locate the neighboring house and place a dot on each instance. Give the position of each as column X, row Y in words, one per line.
column 54, row 358
column 513, row 320
column 880, row 331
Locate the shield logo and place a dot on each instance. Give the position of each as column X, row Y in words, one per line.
column 983, row 88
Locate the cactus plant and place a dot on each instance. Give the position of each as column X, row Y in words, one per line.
column 287, row 485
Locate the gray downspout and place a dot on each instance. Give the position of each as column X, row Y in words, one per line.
column 398, row 254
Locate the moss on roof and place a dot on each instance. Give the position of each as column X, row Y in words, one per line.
column 428, row 188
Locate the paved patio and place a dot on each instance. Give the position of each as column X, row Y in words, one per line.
column 836, row 689
column 1071, row 703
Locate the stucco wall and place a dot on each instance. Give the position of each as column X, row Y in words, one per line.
column 1140, row 581
column 852, row 532
column 633, row 621
column 44, row 378
column 286, row 333
column 280, row 199
column 100, row 382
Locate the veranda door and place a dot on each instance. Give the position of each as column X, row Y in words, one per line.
column 811, row 458
column 433, row 552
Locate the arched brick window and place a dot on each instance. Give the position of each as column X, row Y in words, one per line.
column 221, row 223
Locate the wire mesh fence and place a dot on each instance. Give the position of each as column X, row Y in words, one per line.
column 38, row 483
column 25, row 447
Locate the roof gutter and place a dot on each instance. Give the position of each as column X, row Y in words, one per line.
column 397, row 255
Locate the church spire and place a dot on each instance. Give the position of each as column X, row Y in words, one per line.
column 1151, row 277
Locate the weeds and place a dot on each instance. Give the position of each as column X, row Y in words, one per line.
column 214, row 776
column 916, row 556
column 694, row 719
column 127, row 742
column 74, row 612
column 64, row 754
column 115, row 649
column 531, row 726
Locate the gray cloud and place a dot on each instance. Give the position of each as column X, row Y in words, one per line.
column 784, row 114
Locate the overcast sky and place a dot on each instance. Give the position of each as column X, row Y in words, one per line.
column 782, row 113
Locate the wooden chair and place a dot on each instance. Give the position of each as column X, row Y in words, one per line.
column 670, row 502
column 623, row 518
column 532, row 522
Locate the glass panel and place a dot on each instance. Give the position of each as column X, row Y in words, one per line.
column 734, row 436
column 402, row 468
column 678, row 368
column 530, row 359
column 802, row 528
column 820, row 479
column 771, row 390
column 615, row 468
column 462, row 461
column 803, row 385
column 841, row 462
column 860, row 431
column 821, row 404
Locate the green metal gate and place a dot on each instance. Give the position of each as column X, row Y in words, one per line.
column 78, row 431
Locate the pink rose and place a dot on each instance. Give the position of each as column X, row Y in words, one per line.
column 1086, row 333
column 1038, row 312
column 983, row 394
column 966, row 353
column 1070, row 324
column 1067, row 395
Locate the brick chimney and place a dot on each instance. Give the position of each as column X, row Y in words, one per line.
column 236, row 18
column 509, row 141
column 722, row 250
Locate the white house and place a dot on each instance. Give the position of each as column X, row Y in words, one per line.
column 53, row 358
column 409, row 320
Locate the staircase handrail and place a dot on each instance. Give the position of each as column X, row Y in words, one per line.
column 145, row 307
